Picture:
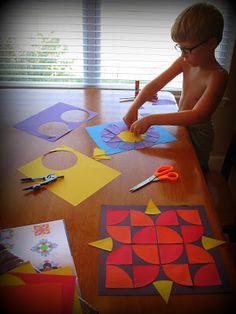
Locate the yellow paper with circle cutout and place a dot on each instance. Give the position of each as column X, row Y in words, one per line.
column 80, row 181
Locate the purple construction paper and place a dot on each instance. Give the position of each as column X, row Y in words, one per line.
column 149, row 289
column 52, row 114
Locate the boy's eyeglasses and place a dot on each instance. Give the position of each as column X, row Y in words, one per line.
column 187, row 50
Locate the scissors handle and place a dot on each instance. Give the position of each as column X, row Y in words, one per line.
column 170, row 176
column 163, row 170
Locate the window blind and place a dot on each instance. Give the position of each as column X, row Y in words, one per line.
column 103, row 43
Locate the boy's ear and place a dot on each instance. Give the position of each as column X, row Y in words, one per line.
column 213, row 42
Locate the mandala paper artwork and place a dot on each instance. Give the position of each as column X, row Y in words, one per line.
column 169, row 251
column 116, row 138
column 56, row 121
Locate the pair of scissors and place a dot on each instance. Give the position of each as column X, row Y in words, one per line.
column 45, row 180
column 163, row 173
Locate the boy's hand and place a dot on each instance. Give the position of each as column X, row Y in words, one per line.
column 130, row 117
column 140, row 126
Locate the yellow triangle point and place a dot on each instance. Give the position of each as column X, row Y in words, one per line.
column 151, row 208
column 164, row 288
column 209, row 243
column 104, row 244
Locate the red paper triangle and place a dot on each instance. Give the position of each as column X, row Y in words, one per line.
column 197, row 255
column 190, row 215
column 117, row 278
column 114, row 217
column 179, row 273
column 144, row 274
column 146, row 235
column 120, row 255
column 170, row 252
column 168, row 235
column 138, row 218
column 168, row 218
column 207, row 275
column 147, row 252
column 191, row 233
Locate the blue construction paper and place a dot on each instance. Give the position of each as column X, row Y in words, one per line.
column 96, row 131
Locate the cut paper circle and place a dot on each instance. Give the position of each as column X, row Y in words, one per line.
column 168, row 235
column 59, row 160
column 147, row 252
column 121, row 255
column 197, row 255
column 190, row 216
column 168, row 218
column 104, row 244
column 170, row 252
column 120, row 233
column 116, row 277
column 146, row 235
column 114, row 217
column 191, row 233
column 117, row 135
column 53, row 129
column 207, row 275
column 138, row 218
column 76, row 115
column 178, row 273
column 144, row 274
column 210, row 243
column 164, row 288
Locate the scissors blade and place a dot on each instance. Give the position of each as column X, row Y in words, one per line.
column 143, row 183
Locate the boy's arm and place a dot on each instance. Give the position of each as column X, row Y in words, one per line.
column 201, row 112
column 150, row 89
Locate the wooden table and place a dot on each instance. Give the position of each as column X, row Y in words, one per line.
column 83, row 221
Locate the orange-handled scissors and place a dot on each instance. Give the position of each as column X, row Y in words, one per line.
column 162, row 173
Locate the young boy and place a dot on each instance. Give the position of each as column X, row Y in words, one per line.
column 197, row 32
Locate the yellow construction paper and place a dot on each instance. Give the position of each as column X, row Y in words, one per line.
column 209, row 243
column 26, row 267
column 164, row 287
column 104, row 244
column 80, row 181
column 152, row 209
column 99, row 154
column 10, row 280
column 127, row 136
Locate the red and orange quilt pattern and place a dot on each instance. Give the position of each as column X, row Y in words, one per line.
column 168, row 249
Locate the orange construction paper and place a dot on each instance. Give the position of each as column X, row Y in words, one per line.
column 167, row 235
column 138, row 218
column 207, row 275
column 120, row 233
column 37, row 298
column 179, row 273
column 147, row 252
column 170, row 252
column 191, row 233
column 117, row 278
column 168, row 218
column 114, row 217
column 144, row 274
column 191, row 216
column 197, row 255
column 120, row 255
column 146, row 235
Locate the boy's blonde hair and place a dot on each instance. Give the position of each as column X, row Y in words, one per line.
column 198, row 22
